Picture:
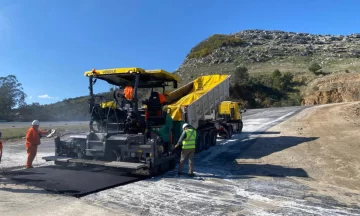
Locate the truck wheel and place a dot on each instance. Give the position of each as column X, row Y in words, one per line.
column 240, row 126
column 206, row 139
column 229, row 132
column 213, row 136
column 199, row 143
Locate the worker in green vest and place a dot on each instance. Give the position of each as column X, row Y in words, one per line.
column 188, row 143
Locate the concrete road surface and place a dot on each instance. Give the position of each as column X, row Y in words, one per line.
column 221, row 186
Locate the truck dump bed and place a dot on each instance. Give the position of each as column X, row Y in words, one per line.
column 201, row 97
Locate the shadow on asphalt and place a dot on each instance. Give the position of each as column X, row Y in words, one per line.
column 265, row 146
column 224, row 164
column 259, row 133
column 268, row 170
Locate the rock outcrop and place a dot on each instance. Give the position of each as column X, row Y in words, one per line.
column 342, row 87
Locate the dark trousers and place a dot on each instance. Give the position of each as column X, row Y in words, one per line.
column 184, row 154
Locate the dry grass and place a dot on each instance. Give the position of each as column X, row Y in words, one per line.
column 19, row 133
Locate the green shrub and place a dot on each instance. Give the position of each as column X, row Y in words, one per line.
column 207, row 46
column 241, row 76
column 314, row 68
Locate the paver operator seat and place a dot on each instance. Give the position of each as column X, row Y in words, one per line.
column 154, row 113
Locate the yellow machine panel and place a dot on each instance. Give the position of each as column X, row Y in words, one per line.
column 158, row 73
column 230, row 108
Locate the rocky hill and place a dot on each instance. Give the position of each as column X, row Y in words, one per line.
column 289, row 54
column 265, row 51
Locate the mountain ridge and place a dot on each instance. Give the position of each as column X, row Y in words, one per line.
column 263, row 51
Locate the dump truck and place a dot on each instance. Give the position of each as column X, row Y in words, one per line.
column 130, row 135
column 203, row 104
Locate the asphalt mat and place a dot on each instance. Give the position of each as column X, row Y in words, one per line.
column 71, row 182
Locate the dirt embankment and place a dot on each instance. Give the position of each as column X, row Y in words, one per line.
column 322, row 142
column 337, row 88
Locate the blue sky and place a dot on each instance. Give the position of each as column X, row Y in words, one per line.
column 48, row 44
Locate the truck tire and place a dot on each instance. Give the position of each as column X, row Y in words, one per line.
column 230, row 132
column 199, row 143
column 206, row 139
column 240, row 126
column 213, row 136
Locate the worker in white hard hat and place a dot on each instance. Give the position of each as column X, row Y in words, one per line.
column 33, row 136
column 188, row 142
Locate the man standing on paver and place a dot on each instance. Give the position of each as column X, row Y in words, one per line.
column 188, row 142
column 33, row 136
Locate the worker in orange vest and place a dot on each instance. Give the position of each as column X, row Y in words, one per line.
column 33, row 136
column 163, row 97
column 1, row 147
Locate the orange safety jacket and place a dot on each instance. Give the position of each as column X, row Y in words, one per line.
column 128, row 92
column 33, row 137
column 162, row 98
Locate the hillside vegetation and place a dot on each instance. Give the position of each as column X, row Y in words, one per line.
column 212, row 43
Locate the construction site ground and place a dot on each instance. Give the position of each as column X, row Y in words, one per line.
column 289, row 161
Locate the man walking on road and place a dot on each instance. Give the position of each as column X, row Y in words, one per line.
column 33, row 136
column 188, row 142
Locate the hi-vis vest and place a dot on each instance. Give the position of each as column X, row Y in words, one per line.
column 190, row 140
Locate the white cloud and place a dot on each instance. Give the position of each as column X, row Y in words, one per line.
column 45, row 96
column 30, row 97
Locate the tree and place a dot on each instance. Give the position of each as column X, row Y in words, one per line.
column 286, row 81
column 11, row 95
column 276, row 73
column 276, row 79
column 241, row 76
column 314, row 67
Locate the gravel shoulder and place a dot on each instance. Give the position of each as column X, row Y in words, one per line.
column 322, row 144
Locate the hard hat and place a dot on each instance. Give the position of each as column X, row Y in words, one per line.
column 185, row 125
column 35, row 123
